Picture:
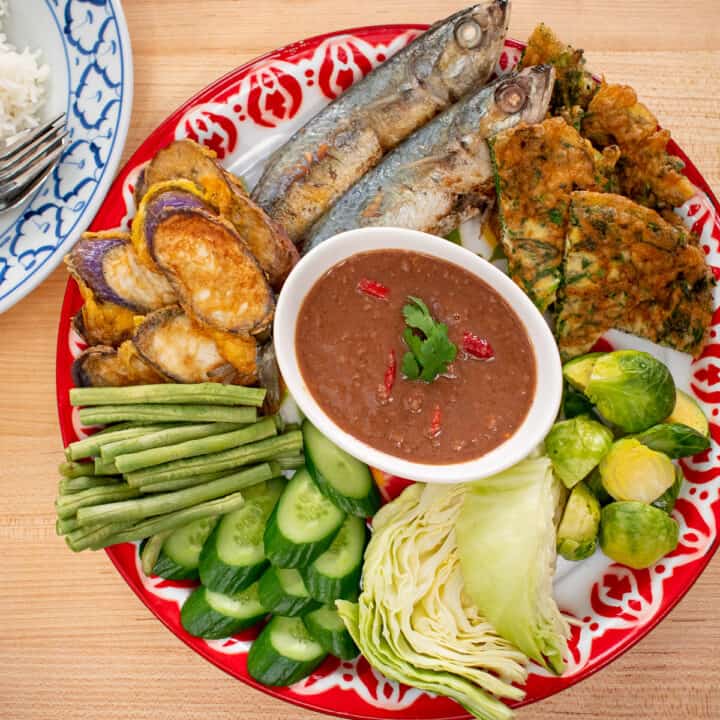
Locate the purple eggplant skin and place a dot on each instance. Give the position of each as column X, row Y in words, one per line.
column 166, row 204
column 86, row 259
column 107, row 264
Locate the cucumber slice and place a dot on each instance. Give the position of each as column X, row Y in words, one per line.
column 302, row 525
column 284, row 653
column 336, row 573
column 327, row 627
column 345, row 480
column 234, row 555
column 283, row 592
column 211, row 615
column 180, row 554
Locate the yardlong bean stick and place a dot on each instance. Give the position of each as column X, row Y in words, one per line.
column 268, row 449
column 151, row 551
column 160, row 438
column 163, row 503
column 105, row 467
column 68, row 505
column 103, row 414
column 191, row 394
column 290, row 462
column 200, row 446
column 83, row 538
column 91, row 445
column 63, row 527
column 69, row 469
column 182, row 483
column 67, row 486
column 172, row 521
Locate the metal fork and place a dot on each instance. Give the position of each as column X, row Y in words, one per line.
column 26, row 163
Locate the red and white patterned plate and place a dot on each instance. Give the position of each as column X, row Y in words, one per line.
column 243, row 117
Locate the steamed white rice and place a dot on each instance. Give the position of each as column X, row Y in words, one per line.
column 22, row 86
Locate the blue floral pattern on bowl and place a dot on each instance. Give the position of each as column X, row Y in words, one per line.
column 98, row 67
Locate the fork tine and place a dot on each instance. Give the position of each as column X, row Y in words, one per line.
column 31, row 156
column 23, row 157
column 11, row 201
column 19, row 184
column 30, row 137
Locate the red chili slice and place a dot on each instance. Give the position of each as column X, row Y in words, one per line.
column 390, row 372
column 435, row 422
column 373, row 288
column 477, row 347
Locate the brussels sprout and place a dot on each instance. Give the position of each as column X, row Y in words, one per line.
column 594, row 484
column 631, row 389
column 575, row 403
column 674, row 439
column 635, row 534
column 666, row 502
column 577, row 371
column 577, row 533
column 576, row 446
column 688, row 412
column 631, row 471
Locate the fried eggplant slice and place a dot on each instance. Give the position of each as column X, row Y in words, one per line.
column 267, row 240
column 103, row 366
column 108, row 265
column 217, row 280
column 627, row 268
column 186, row 160
column 115, row 285
column 574, row 85
column 537, row 167
column 159, row 200
column 184, row 352
column 647, row 172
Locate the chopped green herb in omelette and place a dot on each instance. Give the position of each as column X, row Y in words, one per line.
column 627, row 268
column 537, row 167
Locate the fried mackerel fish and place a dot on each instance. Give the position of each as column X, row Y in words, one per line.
column 537, row 167
column 334, row 149
column 626, row 268
column 647, row 173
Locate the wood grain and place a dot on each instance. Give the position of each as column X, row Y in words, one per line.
column 74, row 640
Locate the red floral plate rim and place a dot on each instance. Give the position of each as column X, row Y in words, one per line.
column 352, row 694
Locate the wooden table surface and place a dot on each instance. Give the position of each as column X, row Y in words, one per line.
column 74, row 640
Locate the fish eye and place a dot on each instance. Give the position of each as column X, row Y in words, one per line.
column 511, row 96
column 469, row 34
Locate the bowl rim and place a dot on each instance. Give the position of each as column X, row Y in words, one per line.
column 548, row 387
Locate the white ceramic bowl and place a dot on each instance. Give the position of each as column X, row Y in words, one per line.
column 545, row 404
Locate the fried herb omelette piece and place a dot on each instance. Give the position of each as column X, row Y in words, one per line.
column 647, row 172
column 536, row 169
column 574, row 86
column 627, row 268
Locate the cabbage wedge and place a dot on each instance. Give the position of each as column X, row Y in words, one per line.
column 413, row 620
column 506, row 544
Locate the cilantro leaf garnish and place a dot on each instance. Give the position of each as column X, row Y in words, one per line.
column 430, row 351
